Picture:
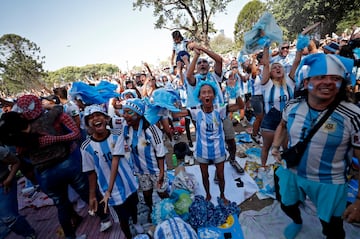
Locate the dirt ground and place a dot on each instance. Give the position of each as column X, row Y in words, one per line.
column 252, row 203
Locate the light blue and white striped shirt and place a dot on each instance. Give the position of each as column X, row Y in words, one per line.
column 146, row 147
column 98, row 156
column 277, row 96
column 209, row 132
column 330, row 152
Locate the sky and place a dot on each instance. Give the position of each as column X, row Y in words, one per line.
column 81, row 32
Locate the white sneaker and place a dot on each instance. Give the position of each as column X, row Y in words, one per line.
column 139, row 229
column 192, row 160
column 105, row 225
column 256, row 138
column 187, row 159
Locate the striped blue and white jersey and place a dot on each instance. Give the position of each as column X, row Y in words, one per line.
column 277, row 95
column 98, row 156
column 329, row 152
column 255, row 84
column 210, row 135
column 145, row 147
column 174, row 228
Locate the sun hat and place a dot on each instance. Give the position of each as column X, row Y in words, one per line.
column 91, row 109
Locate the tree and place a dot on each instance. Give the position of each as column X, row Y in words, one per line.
column 350, row 20
column 74, row 73
column 246, row 19
column 221, row 44
column 294, row 15
column 192, row 16
column 21, row 66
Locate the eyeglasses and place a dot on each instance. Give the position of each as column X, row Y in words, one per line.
column 284, row 47
column 202, row 61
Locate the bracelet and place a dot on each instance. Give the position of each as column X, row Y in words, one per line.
column 276, row 147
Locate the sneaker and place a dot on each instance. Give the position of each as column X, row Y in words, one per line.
column 105, row 225
column 237, row 166
column 138, row 228
column 256, row 138
column 187, row 159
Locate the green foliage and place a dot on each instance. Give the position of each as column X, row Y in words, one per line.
column 295, row 15
column 20, row 64
column 350, row 20
column 246, row 19
column 191, row 16
column 221, row 44
column 73, row 73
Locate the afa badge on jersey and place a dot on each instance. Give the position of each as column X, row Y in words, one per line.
column 329, row 126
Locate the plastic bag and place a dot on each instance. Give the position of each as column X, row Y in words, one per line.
column 265, row 27
column 184, row 180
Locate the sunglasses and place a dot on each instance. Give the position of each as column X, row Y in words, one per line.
column 202, row 61
column 285, row 47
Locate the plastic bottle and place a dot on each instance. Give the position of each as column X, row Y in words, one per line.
column 174, row 160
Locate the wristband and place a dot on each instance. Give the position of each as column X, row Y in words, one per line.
column 276, row 147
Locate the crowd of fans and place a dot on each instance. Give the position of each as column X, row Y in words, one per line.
column 109, row 133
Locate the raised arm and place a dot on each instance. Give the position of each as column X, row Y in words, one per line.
column 216, row 57
column 266, row 70
column 191, row 70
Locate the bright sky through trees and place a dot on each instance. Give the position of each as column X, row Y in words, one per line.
column 76, row 33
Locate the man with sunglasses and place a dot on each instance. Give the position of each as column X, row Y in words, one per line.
column 285, row 57
column 199, row 70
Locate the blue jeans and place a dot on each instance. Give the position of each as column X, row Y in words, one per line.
column 54, row 182
column 9, row 212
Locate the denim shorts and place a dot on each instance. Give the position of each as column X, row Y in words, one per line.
column 271, row 120
column 181, row 54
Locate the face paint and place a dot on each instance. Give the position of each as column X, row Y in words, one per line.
column 338, row 85
column 310, row 86
column 129, row 112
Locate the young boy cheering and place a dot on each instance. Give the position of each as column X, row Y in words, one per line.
column 103, row 159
